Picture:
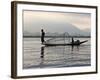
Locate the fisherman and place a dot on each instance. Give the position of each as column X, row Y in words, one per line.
column 78, row 42
column 42, row 36
column 72, row 40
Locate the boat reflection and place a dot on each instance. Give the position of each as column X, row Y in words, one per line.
column 64, row 50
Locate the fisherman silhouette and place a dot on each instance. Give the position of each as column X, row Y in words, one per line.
column 72, row 40
column 78, row 41
column 42, row 36
column 75, row 42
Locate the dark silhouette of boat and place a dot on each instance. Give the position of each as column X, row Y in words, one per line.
column 65, row 44
column 72, row 43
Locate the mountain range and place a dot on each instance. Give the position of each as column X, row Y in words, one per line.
column 58, row 29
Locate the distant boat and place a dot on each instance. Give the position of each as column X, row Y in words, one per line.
column 65, row 44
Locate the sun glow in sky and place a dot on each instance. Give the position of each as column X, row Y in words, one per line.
column 34, row 20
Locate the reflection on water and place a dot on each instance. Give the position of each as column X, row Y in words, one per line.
column 42, row 52
column 40, row 56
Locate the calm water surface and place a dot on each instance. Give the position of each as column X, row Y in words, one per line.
column 36, row 55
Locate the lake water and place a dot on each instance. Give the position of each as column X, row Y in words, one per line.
column 36, row 55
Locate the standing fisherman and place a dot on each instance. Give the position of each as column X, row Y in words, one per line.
column 72, row 40
column 42, row 36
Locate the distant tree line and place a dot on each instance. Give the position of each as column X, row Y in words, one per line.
column 59, row 36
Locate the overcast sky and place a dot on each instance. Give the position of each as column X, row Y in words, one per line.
column 34, row 21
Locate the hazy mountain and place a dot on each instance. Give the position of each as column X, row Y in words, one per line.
column 58, row 28
column 87, row 30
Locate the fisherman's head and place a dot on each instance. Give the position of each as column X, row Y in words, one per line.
column 41, row 30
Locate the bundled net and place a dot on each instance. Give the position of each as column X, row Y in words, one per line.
column 63, row 39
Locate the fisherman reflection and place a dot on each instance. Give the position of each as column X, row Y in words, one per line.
column 78, row 44
column 42, row 52
column 75, row 48
column 72, row 48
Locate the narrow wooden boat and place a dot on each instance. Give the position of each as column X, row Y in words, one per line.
column 70, row 44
